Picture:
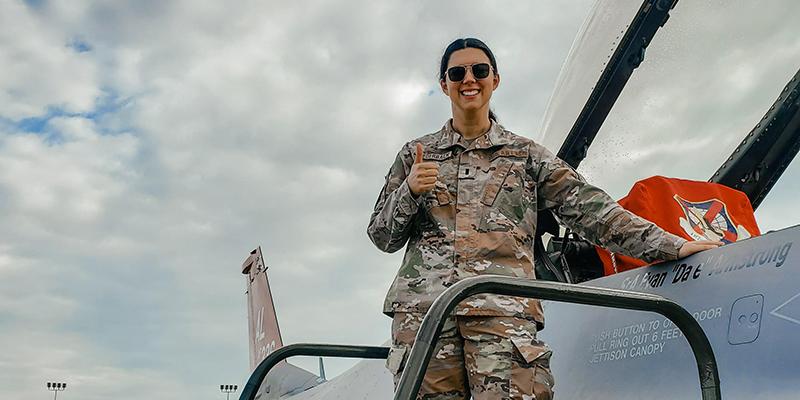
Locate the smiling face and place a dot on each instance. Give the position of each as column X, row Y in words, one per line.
column 470, row 97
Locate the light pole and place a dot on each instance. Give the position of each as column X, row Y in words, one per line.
column 228, row 389
column 56, row 387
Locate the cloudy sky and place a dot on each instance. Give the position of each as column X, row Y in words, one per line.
column 147, row 146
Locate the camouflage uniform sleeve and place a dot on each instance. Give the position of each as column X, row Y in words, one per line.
column 595, row 216
column 391, row 221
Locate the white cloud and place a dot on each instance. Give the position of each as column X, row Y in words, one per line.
column 69, row 181
column 39, row 69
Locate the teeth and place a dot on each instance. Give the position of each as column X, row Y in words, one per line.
column 470, row 92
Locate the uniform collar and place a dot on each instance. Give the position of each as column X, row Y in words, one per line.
column 495, row 136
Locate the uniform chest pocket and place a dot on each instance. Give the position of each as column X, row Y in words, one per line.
column 441, row 193
column 495, row 182
column 437, row 209
column 505, row 191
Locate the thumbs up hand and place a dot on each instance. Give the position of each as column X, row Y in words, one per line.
column 423, row 174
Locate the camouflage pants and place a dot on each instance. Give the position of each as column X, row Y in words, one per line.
column 487, row 357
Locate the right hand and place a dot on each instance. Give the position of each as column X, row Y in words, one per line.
column 423, row 175
column 692, row 247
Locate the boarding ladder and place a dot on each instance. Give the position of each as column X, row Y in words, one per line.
column 433, row 322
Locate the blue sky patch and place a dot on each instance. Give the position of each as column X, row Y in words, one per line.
column 34, row 124
column 35, row 3
column 80, row 46
column 39, row 125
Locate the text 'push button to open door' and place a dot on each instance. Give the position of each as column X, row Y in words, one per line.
column 745, row 323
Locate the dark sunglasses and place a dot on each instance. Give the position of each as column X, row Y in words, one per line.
column 479, row 71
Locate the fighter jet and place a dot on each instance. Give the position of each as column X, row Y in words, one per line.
column 745, row 295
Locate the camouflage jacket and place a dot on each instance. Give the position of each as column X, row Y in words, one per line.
column 481, row 218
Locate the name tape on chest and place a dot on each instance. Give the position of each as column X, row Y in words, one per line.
column 437, row 156
column 516, row 153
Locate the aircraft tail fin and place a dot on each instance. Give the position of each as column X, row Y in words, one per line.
column 265, row 334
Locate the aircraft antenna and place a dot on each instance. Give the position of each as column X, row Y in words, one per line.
column 321, row 371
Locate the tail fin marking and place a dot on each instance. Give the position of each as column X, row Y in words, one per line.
column 265, row 334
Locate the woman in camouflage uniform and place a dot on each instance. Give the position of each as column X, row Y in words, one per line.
column 465, row 200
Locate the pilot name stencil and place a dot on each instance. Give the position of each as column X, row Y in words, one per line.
column 649, row 279
column 715, row 265
column 774, row 256
column 641, row 339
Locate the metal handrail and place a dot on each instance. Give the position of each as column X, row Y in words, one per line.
column 432, row 324
column 306, row 349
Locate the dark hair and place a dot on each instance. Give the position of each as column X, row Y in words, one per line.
column 460, row 44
